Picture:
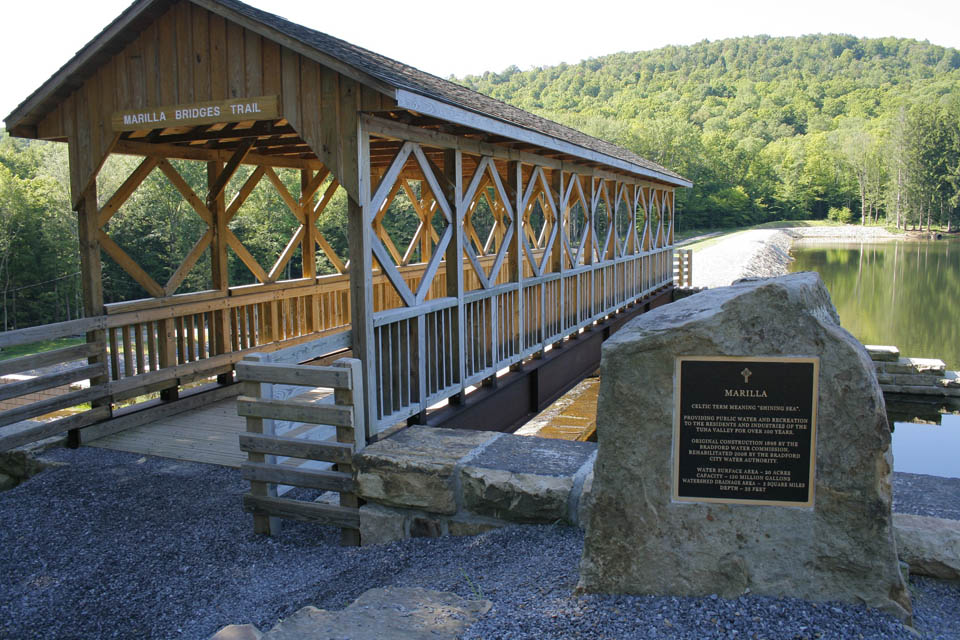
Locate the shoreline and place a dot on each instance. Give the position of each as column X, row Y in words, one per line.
column 764, row 253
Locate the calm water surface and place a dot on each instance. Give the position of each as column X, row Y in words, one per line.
column 905, row 294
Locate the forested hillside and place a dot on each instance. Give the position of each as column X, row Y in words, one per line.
column 767, row 128
column 772, row 128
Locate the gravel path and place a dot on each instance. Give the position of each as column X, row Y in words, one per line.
column 113, row 545
column 766, row 252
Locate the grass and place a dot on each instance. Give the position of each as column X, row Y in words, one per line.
column 20, row 350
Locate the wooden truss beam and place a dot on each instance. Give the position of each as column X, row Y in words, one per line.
column 127, row 147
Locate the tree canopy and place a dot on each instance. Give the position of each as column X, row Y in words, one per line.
column 767, row 128
column 771, row 128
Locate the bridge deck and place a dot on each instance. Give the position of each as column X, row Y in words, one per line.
column 208, row 434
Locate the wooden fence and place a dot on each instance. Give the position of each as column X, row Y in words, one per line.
column 165, row 345
column 299, row 436
column 683, row 267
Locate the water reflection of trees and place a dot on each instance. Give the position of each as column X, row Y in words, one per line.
column 902, row 293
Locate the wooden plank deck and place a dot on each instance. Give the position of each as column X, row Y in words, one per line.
column 210, row 434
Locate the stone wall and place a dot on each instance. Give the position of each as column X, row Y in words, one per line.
column 912, row 376
column 428, row 482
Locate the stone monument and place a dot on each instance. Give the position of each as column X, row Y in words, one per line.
column 743, row 446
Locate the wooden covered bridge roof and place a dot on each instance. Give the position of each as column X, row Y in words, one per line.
column 411, row 96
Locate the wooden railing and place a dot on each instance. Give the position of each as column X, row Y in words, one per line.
column 423, row 355
column 140, row 348
column 683, row 267
column 297, row 437
column 164, row 345
column 72, row 364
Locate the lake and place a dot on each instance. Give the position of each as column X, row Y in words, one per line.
column 904, row 293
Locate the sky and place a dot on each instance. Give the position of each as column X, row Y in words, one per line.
column 459, row 37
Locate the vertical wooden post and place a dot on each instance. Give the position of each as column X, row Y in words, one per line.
column 91, row 274
column 556, row 260
column 167, row 345
column 308, row 247
column 355, row 435
column 262, row 523
column 359, row 218
column 218, row 266
column 453, row 192
column 515, row 252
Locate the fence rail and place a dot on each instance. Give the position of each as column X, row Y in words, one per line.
column 289, row 421
column 160, row 345
column 141, row 348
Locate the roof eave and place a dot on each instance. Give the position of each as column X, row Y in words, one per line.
column 458, row 115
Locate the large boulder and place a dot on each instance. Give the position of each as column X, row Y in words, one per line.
column 640, row 540
column 931, row 546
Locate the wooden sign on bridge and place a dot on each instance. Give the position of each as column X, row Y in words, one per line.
column 198, row 113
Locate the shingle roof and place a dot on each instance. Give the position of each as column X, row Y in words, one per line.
column 403, row 76
column 381, row 68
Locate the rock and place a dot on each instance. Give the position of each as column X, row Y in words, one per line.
column 524, row 479
column 950, row 380
column 379, row 525
column 466, row 527
column 638, row 540
column 518, row 497
column 882, row 353
column 424, row 527
column 238, row 632
column 397, row 613
column 414, row 467
column 931, row 546
column 932, row 366
column 915, row 379
column 586, row 501
column 7, row 482
column 20, row 464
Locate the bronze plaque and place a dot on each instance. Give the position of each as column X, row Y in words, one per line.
column 745, row 430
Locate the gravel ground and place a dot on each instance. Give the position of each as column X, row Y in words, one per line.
column 766, row 252
column 114, row 545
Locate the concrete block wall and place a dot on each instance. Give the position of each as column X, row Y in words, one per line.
column 428, row 482
column 916, row 376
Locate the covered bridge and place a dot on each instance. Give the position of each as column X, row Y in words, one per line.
column 526, row 232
